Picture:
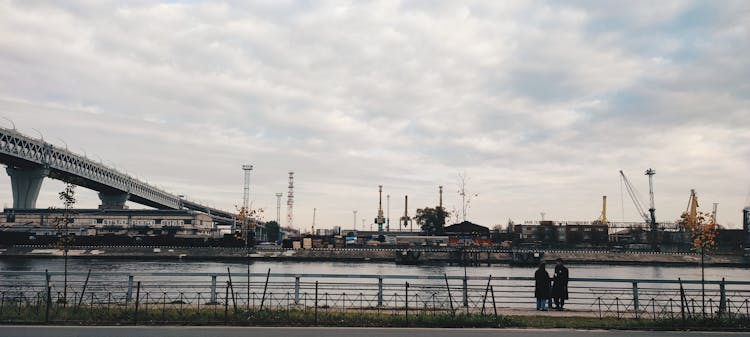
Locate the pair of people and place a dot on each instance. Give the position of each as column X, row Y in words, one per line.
column 554, row 288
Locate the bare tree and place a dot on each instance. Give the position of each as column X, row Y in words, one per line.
column 62, row 223
column 466, row 197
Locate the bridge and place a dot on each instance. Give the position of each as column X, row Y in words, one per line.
column 30, row 160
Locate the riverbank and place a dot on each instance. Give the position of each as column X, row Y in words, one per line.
column 225, row 315
column 367, row 255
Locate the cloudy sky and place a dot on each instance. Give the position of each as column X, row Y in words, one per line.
column 539, row 104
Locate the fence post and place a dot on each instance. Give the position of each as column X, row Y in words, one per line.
column 636, row 305
column 231, row 287
column 296, row 289
column 487, row 289
column 129, row 295
column 617, row 304
column 406, row 301
column 86, row 283
column 49, row 296
column 265, row 287
column 450, row 297
column 494, row 306
column 466, row 292
column 137, row 300
column 226, row 305
column 380, row 290
column 722, row 297
column 213, row 289
column 316, row 302
column 683, row 302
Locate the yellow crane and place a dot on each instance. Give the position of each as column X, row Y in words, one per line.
column 603, row 217
column 692, row 209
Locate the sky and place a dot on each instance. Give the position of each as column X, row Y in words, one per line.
column 538, row 104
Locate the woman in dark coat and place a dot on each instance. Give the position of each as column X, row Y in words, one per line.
column 560, row 285
column 542, row 288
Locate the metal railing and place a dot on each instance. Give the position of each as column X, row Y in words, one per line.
column 245, row 298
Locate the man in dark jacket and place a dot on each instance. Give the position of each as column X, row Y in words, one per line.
column 560, row 285
column 542, row 287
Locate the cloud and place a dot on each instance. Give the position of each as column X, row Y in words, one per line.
column 540, row 103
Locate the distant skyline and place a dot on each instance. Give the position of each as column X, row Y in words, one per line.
column 540, row 104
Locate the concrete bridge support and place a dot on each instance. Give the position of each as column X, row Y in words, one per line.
column 113, row 200
column 26, row 184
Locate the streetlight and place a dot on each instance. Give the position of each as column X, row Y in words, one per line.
column 41, row 136
column 354, row 226
column 11, row 122
column 66, row 144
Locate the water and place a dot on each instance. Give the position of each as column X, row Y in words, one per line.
column 293, row 267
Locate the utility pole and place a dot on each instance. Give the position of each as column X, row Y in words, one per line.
column 354, row 226
column 313, row 225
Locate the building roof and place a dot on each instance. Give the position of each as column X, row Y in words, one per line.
column 467, row 227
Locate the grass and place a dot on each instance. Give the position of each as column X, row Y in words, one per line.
column 157, row 314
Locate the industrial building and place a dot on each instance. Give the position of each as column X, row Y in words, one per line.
column 35, row 226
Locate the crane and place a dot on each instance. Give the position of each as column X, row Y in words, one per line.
column 634, row 195
column 650, row 217
column 692, row 209
column 713, row 214
column 652, row 209
column 603, row 217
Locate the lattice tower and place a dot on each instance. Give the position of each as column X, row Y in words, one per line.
column 290, row 202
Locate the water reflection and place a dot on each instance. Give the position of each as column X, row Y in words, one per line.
column 370, row 268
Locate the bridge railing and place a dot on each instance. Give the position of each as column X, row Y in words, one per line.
column 239, row 297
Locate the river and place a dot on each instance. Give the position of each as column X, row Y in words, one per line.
column 370, row 268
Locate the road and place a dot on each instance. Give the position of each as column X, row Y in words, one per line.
column 76, row 331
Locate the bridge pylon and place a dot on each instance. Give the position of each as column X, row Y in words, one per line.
column 113, row 200
column 26, row 184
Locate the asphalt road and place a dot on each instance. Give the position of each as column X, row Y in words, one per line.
column 73, row 331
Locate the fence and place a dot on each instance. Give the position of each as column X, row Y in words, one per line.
column 231, row 298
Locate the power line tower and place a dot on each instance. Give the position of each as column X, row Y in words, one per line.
column 278, row 207
column 290, row 202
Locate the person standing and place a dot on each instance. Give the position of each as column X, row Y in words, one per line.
column 542, row 287
column 560, row 285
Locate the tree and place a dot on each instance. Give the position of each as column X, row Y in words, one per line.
column 432, row 220
column 273, row 230
column 703, row 231
column 247, row 219
column 67, row 196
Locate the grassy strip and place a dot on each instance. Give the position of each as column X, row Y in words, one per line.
column 216, row 315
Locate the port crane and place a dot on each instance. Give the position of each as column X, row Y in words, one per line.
column 634, row 195
column 650, row 217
